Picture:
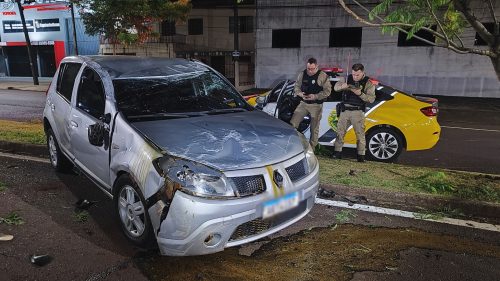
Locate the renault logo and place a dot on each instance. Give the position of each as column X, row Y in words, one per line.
column 278, row 179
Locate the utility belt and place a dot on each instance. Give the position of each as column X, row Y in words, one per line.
column 341, row 107
column 313, row 101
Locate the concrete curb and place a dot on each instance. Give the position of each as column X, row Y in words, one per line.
column 421, row 203
column 36, row 150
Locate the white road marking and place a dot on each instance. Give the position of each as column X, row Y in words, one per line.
column 24, row 157
column 407, row 214
column 472, row 129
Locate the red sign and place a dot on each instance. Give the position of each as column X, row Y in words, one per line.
column 9, row 13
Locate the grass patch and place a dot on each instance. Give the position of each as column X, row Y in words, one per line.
column 344, row 216
column 3, row 187
column 464, row 185
column 12, row 219
column 81, row 216
column 22, row 132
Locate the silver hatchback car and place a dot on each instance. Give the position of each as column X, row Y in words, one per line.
column 186, row 160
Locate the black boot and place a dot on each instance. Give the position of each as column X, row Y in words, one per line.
column 337, row 155
column 361, row 158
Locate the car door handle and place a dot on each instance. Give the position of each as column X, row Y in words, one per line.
column 74, row 124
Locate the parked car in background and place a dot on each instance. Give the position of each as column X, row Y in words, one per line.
column 396, row 121
column 186, row 160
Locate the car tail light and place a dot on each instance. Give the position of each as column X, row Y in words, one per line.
column 430, row 111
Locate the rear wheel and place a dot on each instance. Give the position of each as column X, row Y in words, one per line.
column 57, row 158
column 130, row 206
column 384, row 145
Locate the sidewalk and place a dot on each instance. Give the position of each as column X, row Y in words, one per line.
column 24, row 84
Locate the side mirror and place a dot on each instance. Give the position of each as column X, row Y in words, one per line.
column 106, row 118
column 96, row 134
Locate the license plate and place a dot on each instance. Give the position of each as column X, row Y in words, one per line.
column 280, row 205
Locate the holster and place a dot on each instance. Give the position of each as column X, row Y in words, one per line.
column 340, row 107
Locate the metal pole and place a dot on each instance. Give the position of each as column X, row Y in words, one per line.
column 74, row 27
column 236, row 46
column 28, row 43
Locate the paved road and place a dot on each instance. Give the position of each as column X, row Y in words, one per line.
column 21, row 105
column 363, row 246
column 469, row 139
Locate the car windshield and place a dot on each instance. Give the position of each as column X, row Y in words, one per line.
column 177, row 96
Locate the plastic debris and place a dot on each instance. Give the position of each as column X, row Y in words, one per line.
column 84, row 204
column 40, row 260
column 6, row 237
column 355, row 199
column 323, row 193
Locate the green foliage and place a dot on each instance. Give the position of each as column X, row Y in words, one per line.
column 116, row 18
column 81, row 216
column 127, row 38
column 12, row 219
column 345, row 216
column 3, row 187
column 435, row 182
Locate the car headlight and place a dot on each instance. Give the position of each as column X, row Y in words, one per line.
column 311, row 159
column 204, row 184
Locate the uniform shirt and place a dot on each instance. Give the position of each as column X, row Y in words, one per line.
column 323, row 81
column 367, row 94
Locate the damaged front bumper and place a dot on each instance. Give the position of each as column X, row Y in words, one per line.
column 197, row 226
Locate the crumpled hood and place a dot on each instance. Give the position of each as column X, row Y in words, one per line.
column 227, row 141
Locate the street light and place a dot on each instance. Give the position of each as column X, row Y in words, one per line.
column 28, row 43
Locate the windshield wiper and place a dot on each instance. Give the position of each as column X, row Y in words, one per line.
column 224, row 111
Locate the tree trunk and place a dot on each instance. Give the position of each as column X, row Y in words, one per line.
column 496, row 65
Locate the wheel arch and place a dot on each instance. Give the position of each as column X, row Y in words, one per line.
column 395, row 129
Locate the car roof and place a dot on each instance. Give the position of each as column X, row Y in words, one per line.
column 121, row 67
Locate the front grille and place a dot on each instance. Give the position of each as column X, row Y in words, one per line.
column 259, row 225
column 297, row 171
column 249, row 185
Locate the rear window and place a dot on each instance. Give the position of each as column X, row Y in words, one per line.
column 191, row 93
column 66, row 79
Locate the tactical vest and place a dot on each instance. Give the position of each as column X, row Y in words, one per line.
column 310, row 85
column 351, row 98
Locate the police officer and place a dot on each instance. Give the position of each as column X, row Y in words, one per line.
column 357, row 92
column 313, row 87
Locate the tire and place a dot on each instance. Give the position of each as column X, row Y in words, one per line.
column 57, row 159
column 131, row 212
column 384, row 145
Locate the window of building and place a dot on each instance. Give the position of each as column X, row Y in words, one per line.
column 479, row 41
column 245, row 24
column 168, row 28
column 286, row 38
column 345, row 37
column 195, row 26
column 414, row 42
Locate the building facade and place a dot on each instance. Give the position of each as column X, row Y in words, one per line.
column 50, row 30
column 290, row 31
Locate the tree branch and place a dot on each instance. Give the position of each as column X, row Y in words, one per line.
column 438, row 23
column 463, row 7
column 492, row 11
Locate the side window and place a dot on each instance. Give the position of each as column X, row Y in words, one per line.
column 90, row 97
column 273, row 96
column 66, row 79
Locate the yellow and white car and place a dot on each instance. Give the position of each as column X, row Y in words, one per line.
column 395, row 121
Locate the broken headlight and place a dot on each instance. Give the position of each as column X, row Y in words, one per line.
column 311, row 159
column 204, row 184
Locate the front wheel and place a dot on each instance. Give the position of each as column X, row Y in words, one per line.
column 130, row 206
column 384, row 145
